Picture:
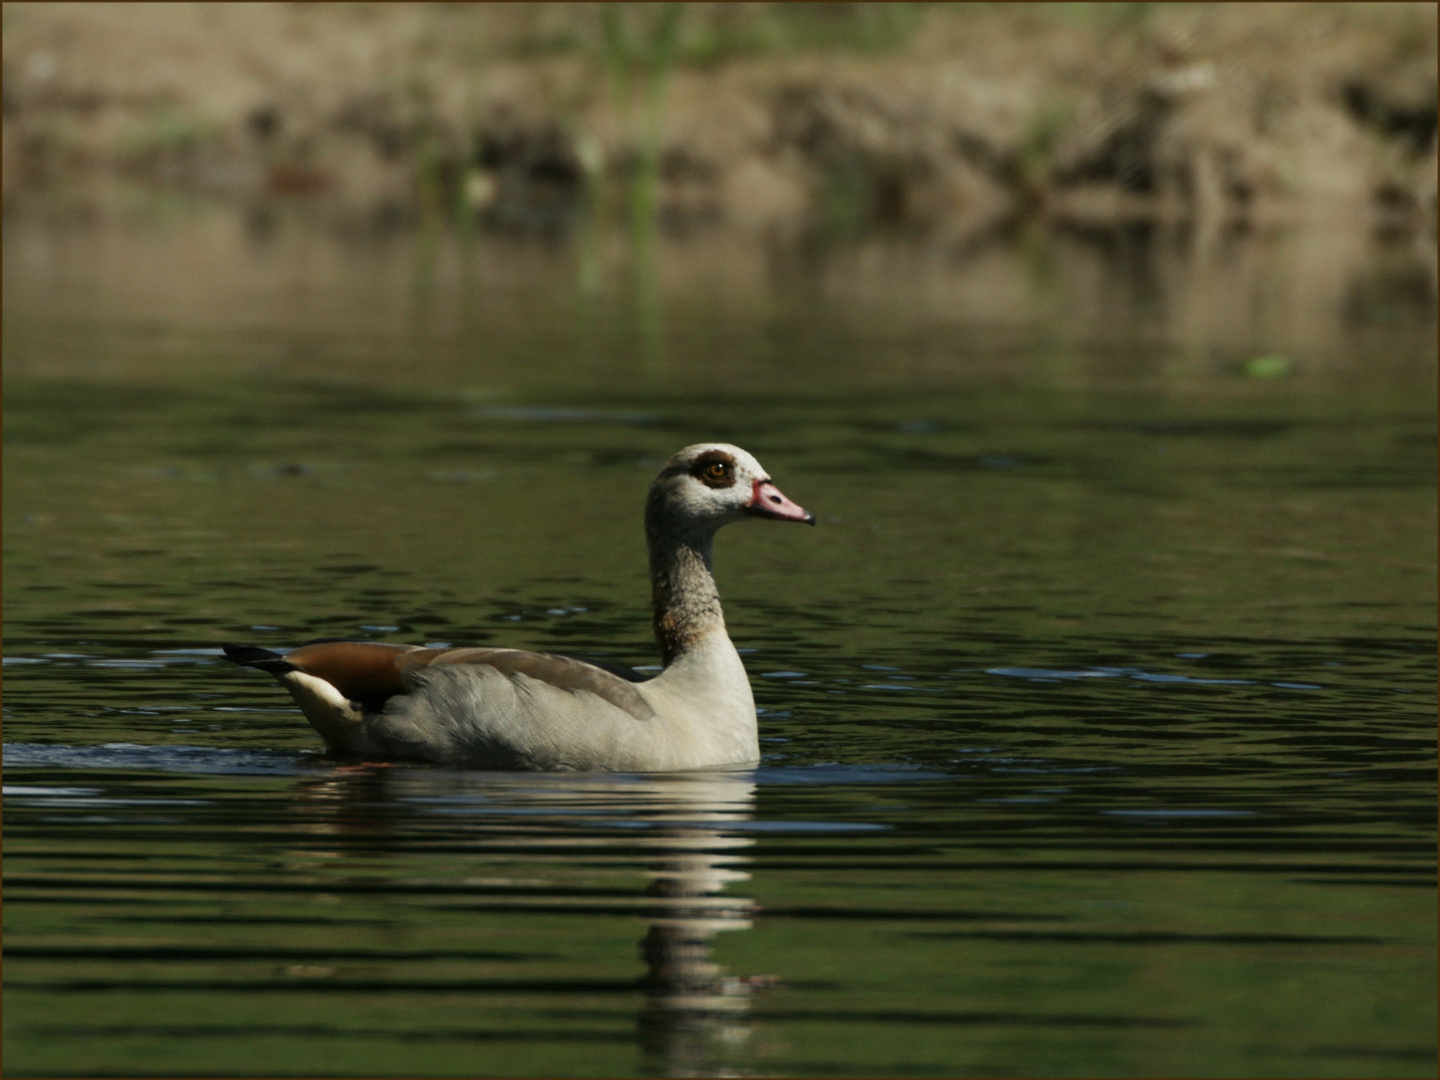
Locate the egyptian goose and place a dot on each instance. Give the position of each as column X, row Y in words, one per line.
column 508, row 709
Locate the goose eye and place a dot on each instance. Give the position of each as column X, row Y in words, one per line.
column 717, row 470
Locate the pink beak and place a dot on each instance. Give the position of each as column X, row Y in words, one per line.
column 769, row 501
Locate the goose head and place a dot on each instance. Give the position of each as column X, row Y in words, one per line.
column 712, row 484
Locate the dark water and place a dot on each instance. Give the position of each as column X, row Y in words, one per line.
column 1099, row 713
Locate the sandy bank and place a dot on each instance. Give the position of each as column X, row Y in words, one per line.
column 840, row 117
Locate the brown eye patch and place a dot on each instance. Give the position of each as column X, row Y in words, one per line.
column 716, row 470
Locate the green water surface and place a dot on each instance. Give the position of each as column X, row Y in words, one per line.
column 1098, row 713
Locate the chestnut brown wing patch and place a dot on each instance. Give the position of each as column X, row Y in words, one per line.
column 364, row 671
column 561, row 672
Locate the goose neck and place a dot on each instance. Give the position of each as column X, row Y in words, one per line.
column 686, row 602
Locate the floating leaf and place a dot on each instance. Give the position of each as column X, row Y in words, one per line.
column 1266, row 367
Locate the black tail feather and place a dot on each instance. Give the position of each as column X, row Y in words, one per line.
column 252, row 656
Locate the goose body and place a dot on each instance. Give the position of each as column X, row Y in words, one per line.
column 512, row 709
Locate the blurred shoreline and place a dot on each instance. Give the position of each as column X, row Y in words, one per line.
column 178, row 290
column 786, row 120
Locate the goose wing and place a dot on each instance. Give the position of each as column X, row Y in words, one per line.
column 372, row 672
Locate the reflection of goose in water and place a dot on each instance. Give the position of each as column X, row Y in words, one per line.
column 687, row 831
column 694, row 1013
column 509, row 709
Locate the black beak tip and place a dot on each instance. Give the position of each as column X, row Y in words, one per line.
column 809, row 518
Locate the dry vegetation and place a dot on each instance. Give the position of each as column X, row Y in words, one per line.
column 772, row 116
